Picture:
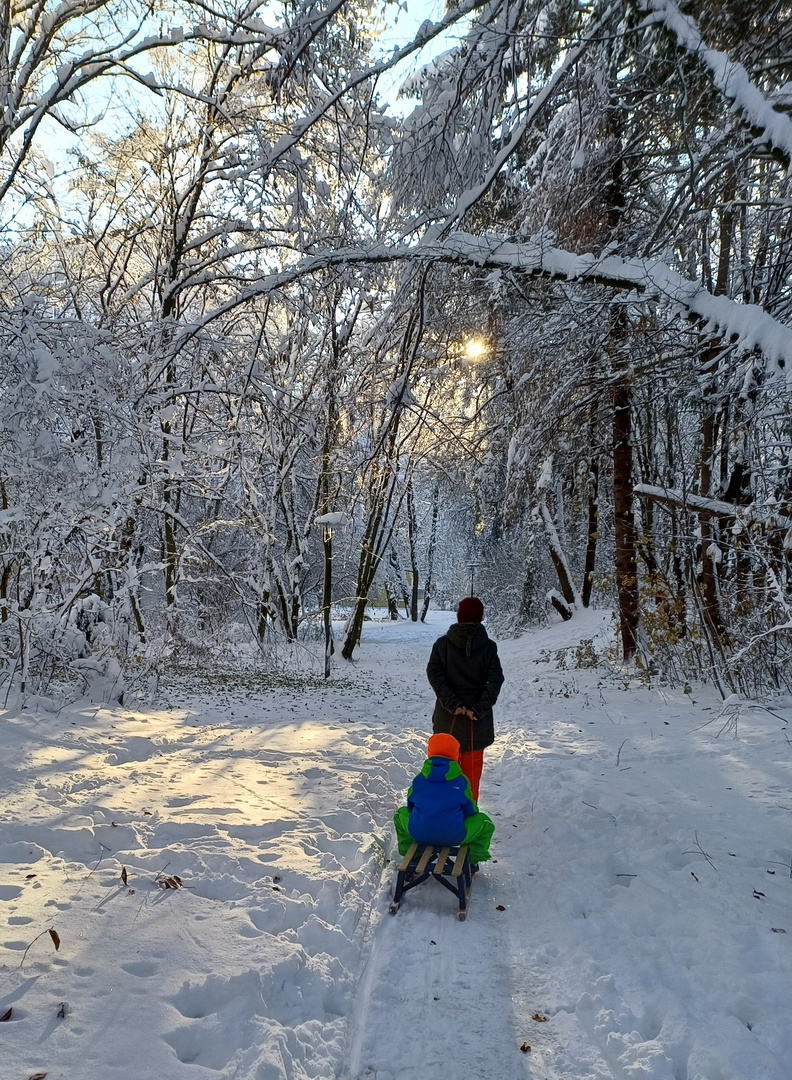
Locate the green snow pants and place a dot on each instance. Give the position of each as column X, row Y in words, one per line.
column 478, row 833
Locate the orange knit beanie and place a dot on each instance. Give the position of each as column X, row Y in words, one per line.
column 443, row 745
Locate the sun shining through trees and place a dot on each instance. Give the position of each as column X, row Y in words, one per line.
column 497, row 323
column 315, row 318
column 475, row 349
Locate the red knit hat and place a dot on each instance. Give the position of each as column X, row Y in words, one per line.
column 443, row 745
column 470, row 609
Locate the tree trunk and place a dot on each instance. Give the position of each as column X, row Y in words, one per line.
column 325, row 496
column 430, row 552
column 593, row 534
column 327, row 597
column 709, row 531
column 393, row 604
column 624, row 521
column 126, row 557
column 8, row 567
column 559, row 559
column 5, row 579
column 626, row 561
column 398, row 580
column 708, row 526
column 371, row 551
column 412, row 529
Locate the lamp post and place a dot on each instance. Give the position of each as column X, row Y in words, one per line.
column 327, row 522
column 472, row 567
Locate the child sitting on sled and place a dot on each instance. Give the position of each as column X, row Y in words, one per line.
column 440, row 809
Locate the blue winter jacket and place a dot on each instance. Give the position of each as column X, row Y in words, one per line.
column 439, row 800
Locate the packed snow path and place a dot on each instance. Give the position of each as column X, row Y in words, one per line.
column 634, row 922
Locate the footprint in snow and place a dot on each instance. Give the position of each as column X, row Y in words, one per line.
column 316, row 773
column 142, row 969
column 257, row 834
column 280, row 915
column 345, row 821
column 136, row 748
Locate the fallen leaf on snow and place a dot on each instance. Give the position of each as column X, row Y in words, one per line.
column 124, row 874
column 525, row 1048
column 170, row 882
column 775, row 929
column 6, row 1016
column 500, row 907
column 55, row 938
column 539, row 1019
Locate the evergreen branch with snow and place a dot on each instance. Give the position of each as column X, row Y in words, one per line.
column 728, row 76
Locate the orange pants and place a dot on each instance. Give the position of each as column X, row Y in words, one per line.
column 471, row 763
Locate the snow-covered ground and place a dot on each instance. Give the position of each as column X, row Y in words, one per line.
column 635, row 921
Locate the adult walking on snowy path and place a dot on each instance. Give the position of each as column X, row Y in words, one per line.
column 466, row 675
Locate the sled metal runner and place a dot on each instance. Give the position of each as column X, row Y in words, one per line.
column 448, row 866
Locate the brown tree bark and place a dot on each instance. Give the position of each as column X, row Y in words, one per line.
column 626, row 562
column 624, row 521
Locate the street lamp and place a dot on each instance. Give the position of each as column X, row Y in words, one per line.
column 328, row 522
column 472, row 567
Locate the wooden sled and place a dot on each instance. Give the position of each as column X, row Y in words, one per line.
column 448, row 866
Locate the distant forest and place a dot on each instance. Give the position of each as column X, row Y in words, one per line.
column 273, row 341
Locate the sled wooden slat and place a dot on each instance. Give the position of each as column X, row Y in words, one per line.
column 424, row 860
column 407, row 858
column 441, row 860
column 460, row 861
column 449, row 866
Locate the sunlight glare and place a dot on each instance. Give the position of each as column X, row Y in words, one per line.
column 475, row 349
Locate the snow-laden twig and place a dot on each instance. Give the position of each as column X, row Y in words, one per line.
column 708, row 507
column 700, row 851
column 748, row 326
column 728, row 76
column 469, row 198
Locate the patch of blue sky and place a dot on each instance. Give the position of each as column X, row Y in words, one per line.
column 111, row 106
column 402, row 23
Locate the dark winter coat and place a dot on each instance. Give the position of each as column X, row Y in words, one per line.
column 464, row 669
